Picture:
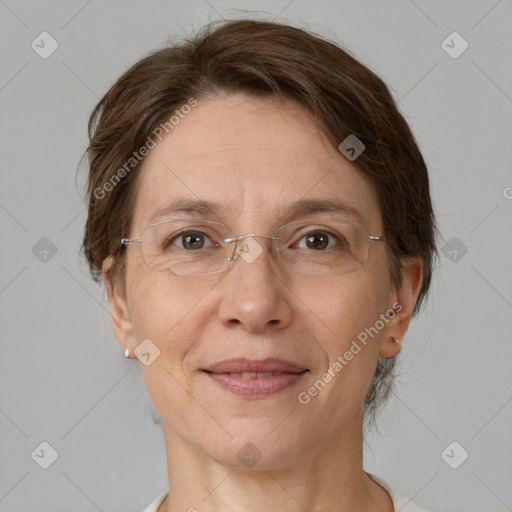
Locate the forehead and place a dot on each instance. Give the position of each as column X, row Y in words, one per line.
column 248, row 160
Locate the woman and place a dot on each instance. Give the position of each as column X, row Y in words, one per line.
column 260, row 215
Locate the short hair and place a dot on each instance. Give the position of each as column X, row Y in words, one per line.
column 262, row 59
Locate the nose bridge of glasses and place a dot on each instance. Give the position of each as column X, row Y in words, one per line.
column 237, row 239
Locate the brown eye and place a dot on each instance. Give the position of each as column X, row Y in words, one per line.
column 195, row 241
column 317, row 240
column 188, row 240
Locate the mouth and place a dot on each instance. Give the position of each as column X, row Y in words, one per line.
column 244, row 365
column 255, row 378
column 255, row 385
column 254, row 375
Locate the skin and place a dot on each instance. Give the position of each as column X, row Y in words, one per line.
column 256, row 156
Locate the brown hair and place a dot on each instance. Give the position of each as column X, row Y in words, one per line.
column 261, row 58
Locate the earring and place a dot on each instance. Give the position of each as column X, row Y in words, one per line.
column 127, row 352
column 396, row 340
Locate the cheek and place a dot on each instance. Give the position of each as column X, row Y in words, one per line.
column 166, row 313
column 349, row 304
column 172, row 313
column 156, row 312
column 352, row 311
column 343, row 310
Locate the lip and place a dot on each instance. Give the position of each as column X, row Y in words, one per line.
column 244, row 365
column 255, row 387
column 227, row 374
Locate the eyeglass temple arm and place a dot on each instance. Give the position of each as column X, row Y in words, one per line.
column 127, row 241
column 381, row 238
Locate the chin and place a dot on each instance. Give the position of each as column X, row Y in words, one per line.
column 262, row 448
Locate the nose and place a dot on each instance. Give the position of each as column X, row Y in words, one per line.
column 255, row 296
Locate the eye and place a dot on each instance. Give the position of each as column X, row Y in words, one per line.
column 319, row 240
column 190, row 240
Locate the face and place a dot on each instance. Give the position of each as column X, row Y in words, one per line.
column 255, row 157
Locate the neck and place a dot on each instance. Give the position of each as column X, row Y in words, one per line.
column 324, row 477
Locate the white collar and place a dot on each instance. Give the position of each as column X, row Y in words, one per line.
column 400, row 501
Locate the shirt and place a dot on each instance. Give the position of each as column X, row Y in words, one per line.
column 400, row 501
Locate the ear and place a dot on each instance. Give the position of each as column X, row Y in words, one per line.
column 403, row 301
column 119, row 312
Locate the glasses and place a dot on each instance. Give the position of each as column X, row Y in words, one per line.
column 194, row 247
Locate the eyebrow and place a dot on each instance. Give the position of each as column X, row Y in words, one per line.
column 201, row 208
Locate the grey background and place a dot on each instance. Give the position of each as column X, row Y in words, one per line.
column 63, row 377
